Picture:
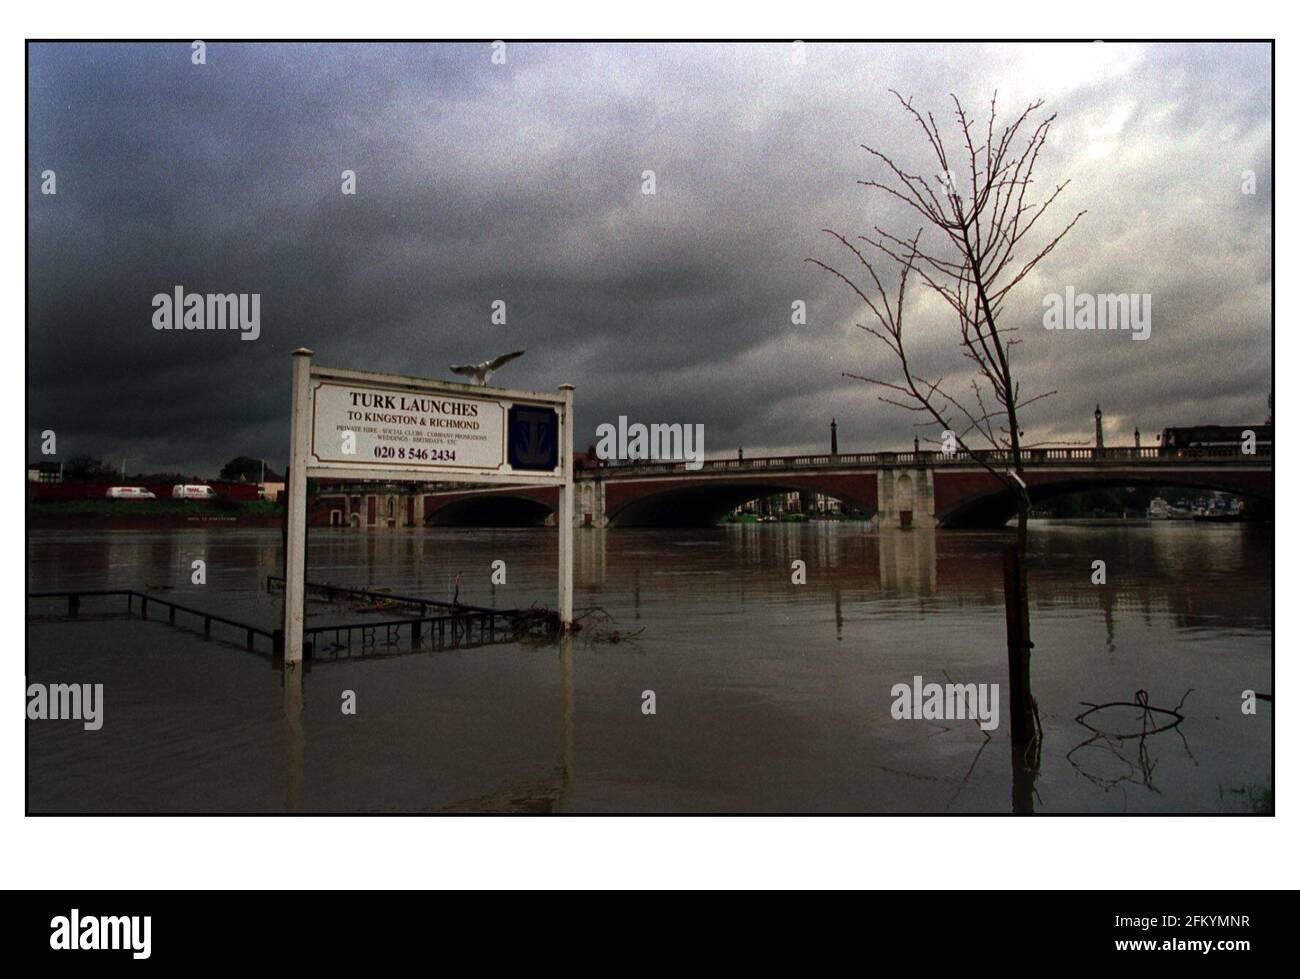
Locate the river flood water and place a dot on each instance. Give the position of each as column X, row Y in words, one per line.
column 769, row 696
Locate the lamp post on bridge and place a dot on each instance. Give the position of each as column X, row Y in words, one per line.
column 1097, row 417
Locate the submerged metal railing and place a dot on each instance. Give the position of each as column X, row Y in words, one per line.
column 455, row 627
column 332, row 591
column 458, row 624
column 74, row 605
column 442, row 630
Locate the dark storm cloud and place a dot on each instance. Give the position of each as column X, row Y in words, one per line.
column 522, row 182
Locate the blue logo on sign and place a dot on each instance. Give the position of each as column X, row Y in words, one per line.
column 533, row 438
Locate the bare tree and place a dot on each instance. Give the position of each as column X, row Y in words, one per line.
column 978, row 202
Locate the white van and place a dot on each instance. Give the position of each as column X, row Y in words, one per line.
column 128, row 493
column 180, row 492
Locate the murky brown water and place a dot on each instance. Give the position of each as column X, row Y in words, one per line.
column 769, row 696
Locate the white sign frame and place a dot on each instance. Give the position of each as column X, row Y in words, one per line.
column 305, row 464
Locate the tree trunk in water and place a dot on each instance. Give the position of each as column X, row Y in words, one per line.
column 1020, row 694
column 1016, row 588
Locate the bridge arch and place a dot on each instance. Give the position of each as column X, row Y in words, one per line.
column 488, row 510
column 993, row 505
column 702, row 503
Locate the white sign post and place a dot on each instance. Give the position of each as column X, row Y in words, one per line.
column 347, row 424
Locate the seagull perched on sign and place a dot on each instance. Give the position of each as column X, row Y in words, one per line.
column 481, row 372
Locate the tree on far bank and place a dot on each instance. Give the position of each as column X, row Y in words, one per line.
column 87, row 468
column 243, row 469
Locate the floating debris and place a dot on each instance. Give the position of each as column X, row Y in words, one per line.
column 1141, row 700
column 539, row 623
column 1140, row 771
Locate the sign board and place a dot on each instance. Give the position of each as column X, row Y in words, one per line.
column 383, row 426
column 347, row 424
column 402, row 429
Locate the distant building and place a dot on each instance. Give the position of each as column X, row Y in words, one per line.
column 45, row 472
column 378, row 503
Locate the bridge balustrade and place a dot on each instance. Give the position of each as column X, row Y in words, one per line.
column 999, row 457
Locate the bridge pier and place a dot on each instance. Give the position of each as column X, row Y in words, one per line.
column 588, row 505
column 904, row 498
column 590, row 508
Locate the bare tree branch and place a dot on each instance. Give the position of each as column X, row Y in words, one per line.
column 971, row 267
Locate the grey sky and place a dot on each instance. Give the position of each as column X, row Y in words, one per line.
column 522, row 182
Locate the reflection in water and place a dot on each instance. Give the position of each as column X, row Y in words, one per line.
column 1025, row 764
column 566, row 715
column 291, row 680
column 908, row 565
column 547, row 795
column 771, row 696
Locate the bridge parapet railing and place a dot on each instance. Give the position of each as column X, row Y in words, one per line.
column 1001, row 458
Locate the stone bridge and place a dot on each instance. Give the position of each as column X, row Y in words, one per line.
column 899, row 489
